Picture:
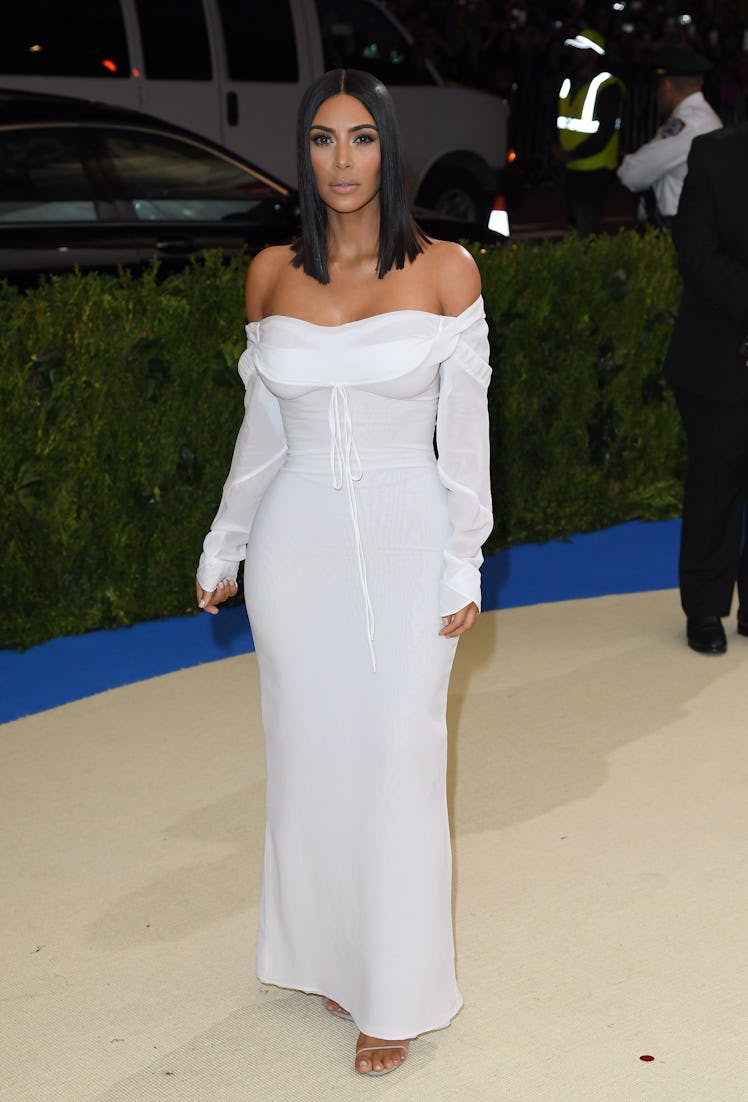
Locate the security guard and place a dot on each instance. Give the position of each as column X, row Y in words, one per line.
column 589, row 119
column 660, row 164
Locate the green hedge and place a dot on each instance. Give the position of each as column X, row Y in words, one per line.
column 119, row 404
column 585, row 431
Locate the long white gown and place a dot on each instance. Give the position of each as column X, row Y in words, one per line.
column 357, row 541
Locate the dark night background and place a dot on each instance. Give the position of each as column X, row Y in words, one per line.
column 516, row 49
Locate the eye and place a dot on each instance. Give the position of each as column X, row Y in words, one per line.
column 321, row 139
column 364, row 139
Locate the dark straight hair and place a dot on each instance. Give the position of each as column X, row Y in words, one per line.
column 399, row 236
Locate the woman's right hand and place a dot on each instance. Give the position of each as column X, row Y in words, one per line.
column 209, row 600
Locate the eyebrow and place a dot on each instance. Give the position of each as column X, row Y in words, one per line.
column 351, row 129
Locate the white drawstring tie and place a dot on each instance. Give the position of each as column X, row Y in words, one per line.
column 345, row 465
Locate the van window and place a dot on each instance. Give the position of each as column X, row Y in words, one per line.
column 175, row 39
column 42, row 178
column 260, row 40
column 71, row 39
column 356, row 35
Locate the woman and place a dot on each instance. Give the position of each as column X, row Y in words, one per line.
column 361, row 572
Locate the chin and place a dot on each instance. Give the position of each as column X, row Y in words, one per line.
column 349, row 204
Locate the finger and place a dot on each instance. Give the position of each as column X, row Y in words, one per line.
column 205, row 602
column 205, row 599
column 459, row 622
column 466, row 625
column 226, row 588
column 208, row 600
column 451, row 631
column 452, row 622
column 470, row 621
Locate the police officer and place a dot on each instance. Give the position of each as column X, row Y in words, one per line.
column 589, row 119
column 660, row 164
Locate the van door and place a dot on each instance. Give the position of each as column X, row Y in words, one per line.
column 71, row 49
column 266, row 52
column 179, row 64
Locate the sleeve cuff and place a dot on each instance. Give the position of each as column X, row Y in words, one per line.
column 457, row 592
column 210, row 573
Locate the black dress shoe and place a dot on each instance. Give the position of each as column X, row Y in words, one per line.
column 742, row 626
column 706, row 635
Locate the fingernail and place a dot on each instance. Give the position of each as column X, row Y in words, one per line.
column 201, row 604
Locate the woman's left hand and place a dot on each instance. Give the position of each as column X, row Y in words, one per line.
column 460, row 622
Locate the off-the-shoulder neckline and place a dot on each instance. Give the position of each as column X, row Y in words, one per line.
column 370, row 317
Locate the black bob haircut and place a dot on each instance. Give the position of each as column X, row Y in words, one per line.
column 399, row 236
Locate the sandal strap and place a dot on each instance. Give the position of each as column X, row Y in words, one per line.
column 379, row 1048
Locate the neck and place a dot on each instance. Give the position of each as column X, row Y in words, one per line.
column 678, row 100
column 353, row 238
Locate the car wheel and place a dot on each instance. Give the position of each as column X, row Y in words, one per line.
column 456, row 196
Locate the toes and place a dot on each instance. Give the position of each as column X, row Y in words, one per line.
column 378, row 1059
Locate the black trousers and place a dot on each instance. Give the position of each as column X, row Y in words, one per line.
column 586, row 193
column 713, row 548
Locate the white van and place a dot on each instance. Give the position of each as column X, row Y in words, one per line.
column 234, row 70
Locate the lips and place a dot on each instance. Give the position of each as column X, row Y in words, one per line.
column 343, row 185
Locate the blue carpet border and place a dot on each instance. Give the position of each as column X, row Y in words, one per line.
column 629, row 558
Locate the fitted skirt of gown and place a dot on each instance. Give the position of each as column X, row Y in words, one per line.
column 357, row 540
column 356, row 900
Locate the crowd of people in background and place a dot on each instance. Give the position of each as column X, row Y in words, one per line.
column 515, row 49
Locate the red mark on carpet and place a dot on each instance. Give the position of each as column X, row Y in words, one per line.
column 647, row 1058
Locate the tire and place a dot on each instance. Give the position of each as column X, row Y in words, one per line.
column 456, row 195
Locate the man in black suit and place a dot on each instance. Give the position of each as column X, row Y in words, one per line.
column 707, row 365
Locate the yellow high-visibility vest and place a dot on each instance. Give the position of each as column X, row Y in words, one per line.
column 576, row 121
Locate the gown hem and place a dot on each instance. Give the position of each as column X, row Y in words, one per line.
column 384, row 1035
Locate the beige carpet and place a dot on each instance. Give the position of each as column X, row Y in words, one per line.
column 599, row 787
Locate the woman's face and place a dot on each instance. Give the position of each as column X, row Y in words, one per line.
column 345, row 152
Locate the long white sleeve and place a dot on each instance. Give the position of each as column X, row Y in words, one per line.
column 462, row 442
column 258, row 455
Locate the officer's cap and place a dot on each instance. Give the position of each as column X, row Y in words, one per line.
column 588, row 39
column 680, row 61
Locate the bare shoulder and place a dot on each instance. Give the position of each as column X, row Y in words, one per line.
column 456, row 275
column 263, row 274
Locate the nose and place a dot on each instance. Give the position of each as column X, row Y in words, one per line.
column 342, row 157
